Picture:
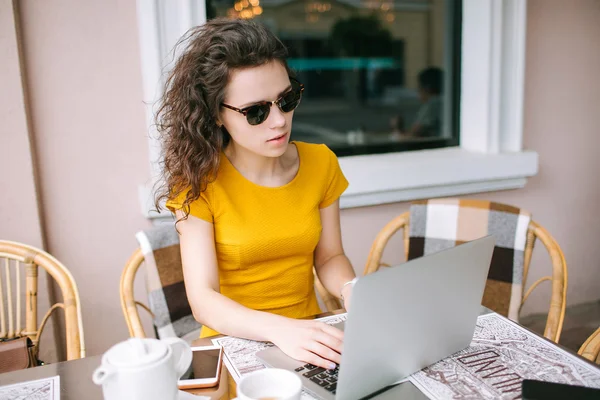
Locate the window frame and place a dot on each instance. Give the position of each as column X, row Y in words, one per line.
column 490, row 153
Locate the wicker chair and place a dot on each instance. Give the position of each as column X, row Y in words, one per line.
column 591, row 348
column 129, row 304
column 24, row 260
column 556, row 312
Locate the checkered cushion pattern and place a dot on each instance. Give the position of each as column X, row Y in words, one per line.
column 164, row 280
column 440, row 224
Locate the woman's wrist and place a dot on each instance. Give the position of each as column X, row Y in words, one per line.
column 346, row 288
column 276, row 323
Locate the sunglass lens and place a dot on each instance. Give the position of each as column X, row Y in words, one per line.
column 290, row 100
column 258, row 114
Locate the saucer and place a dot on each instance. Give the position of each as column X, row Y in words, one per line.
column 188, row 396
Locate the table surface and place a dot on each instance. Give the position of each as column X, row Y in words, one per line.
column 76, row 379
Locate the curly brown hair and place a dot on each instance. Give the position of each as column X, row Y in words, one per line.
column 186, row 121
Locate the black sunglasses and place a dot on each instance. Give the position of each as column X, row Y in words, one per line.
column 257, row 113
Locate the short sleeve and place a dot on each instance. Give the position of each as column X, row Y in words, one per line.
column 425, row 115
column 336, row 182
column 199, row 208
column 429, row 116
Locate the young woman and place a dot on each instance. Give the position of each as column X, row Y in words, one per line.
column 255, row 211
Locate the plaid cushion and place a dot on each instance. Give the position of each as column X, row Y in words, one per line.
column 439, row 224
column 164, row 280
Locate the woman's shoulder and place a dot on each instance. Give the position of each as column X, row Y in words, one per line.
column 317, row 153
column 312, row 147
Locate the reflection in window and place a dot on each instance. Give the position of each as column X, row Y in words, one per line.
column 380, row 75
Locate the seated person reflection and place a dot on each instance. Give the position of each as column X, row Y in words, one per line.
column 428, row 122
column 255, row 212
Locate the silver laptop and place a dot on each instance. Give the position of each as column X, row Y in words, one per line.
column 402, row 319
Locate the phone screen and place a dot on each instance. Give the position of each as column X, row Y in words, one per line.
column 204, row 364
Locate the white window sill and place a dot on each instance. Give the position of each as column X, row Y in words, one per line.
column 388, row 178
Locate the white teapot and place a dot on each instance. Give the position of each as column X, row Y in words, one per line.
column 143, row 369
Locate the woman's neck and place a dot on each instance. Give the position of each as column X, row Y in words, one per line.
column 265, row 171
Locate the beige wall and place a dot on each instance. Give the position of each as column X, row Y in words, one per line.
column 83, row 74
column 16, row 158
column 20, row 218
column 87, row 120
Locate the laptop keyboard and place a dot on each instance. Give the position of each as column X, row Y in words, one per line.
column 326, row 378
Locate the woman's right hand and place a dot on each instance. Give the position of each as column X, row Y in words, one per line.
column 312, row 342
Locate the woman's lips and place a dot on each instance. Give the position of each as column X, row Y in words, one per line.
column 280, row 137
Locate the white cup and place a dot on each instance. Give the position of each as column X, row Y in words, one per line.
column 270, row 384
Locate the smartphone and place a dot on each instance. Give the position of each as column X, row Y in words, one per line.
column 538, row 390
column 205, row 370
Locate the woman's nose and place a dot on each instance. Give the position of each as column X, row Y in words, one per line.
column 276, row 118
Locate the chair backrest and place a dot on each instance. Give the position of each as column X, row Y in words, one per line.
column 591, row 348
column 471, row 219
column 20, row 260
column 168, row 303
column 129, row 304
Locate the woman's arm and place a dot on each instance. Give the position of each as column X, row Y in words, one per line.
column 200, row 271
column 309, row 341
column 332, row 265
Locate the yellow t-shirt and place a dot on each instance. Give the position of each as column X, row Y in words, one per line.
column 265, row 237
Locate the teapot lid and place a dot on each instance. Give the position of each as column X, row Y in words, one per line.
column 136, row 352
